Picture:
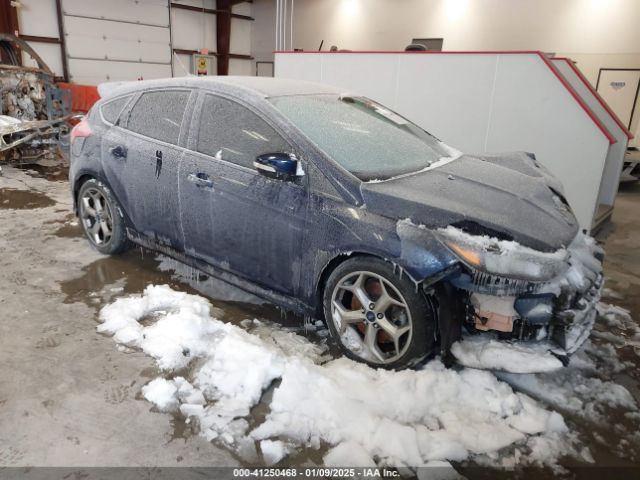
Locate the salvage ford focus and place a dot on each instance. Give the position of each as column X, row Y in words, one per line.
column 336, row 207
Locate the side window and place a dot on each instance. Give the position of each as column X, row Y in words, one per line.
column 159, row 115
column 111, row 110
column 232, row 132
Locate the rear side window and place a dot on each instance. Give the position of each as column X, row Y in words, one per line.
column 234, row 133
column 159, row 115
column 111, row 110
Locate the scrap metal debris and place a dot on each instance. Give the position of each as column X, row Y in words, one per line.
column 33, row 111
column 23, row 94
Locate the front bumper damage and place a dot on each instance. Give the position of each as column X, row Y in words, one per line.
column 552, row 317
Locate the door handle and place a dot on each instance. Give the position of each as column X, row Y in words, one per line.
column 200, row 179
column 118, row 151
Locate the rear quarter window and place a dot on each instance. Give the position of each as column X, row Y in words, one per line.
column 112, row 109
column 159, row 114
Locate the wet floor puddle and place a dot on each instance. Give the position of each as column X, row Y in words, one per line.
column 131, row 272
column 108, row 278
column 14, row 199
column 56, row 171
column 69, row 230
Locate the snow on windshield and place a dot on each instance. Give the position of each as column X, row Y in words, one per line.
column 411, row 417
column 365, row 138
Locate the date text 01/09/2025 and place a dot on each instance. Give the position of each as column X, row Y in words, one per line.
column 315, row 473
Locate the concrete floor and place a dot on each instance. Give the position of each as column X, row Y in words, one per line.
column 622, row 244
column 69, row 398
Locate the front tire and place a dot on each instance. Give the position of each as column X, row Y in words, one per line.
column 377, row 316
column 101, row 218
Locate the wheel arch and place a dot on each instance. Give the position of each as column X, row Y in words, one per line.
column 334, row 263
column 448, row 308
column 83, row 178
column 327, row 270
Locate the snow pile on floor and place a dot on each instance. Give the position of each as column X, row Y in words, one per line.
column 402, row 418
column 235, row 366
column 585, row 394
column 620, row 320
column 477, row 352
column 574, row 391
column 183, row 330
column 368, row 416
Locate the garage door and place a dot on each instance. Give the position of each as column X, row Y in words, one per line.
column 117, row 40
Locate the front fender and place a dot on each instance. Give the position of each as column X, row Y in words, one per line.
column 415, row 250
column 421, row 254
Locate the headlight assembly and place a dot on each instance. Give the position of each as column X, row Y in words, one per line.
column 503, row 257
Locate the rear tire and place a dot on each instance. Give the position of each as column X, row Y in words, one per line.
column 377, row 316
column 101, row 218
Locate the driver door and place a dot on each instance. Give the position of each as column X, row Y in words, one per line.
column 233, row 217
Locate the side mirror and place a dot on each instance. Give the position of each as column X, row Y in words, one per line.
column 283, row 166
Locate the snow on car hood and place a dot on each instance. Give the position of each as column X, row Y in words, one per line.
column 509, row 193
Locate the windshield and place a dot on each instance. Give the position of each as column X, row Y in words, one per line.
column 365, row 138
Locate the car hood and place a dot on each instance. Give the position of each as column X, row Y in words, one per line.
column 509, row 196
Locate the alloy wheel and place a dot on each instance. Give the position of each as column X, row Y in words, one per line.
column 96, row 216
column 368, row 309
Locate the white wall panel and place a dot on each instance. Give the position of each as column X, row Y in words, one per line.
column 88, row 38
column 239, row 66
column 468, row 113
column 94, row 72
column 193, row 30
column 38, row 17
column 49, row 52
column 615, row 158
column 182, row 65
column 477, row 103
column 150, row 12
column 595, row 33
column 242, row 8
column 532, row 111
column 240, row 36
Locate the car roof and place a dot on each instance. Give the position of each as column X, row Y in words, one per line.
column 262, row 87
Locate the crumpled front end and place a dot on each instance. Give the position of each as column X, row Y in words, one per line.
column 527, row 297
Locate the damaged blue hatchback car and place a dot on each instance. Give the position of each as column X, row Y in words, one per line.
column 335, row 207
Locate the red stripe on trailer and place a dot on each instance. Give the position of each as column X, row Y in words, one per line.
column 578, row 99
column 415, row 52
column 601, row 100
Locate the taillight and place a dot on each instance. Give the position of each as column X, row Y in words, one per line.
column 81, row 130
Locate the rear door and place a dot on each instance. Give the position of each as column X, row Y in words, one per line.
column 233, row 217
column 141, row 156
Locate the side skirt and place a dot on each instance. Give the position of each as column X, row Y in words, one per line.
column 283, row 301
